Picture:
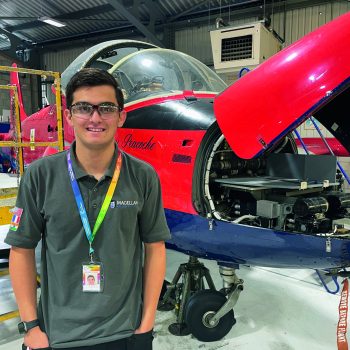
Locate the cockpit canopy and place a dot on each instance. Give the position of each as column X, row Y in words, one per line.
column 157, row 71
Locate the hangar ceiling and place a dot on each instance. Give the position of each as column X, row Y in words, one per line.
column 21, row 26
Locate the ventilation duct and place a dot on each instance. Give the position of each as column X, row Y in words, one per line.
column 244, row 46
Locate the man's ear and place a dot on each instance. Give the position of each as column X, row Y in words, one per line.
column 68, row 117
column 121, row 119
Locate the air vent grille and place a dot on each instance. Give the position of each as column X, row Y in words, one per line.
column 237, row 48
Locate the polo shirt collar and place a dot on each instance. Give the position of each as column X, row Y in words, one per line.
column 80, row 173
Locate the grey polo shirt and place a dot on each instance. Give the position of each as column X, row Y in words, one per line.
column 71, row 317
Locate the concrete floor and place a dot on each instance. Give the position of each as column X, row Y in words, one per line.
column 279, row 309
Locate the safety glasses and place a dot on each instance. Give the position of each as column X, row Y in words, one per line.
column 84, row 110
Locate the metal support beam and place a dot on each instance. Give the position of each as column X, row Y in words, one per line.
column 255, row 9
column 14, row 43
column 147, row 31
column 197, row 16
column 188, row 11
column 154, row 10
column 19, row 50
column 238, row 9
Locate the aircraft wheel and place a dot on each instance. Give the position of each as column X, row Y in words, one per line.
column 199, row 310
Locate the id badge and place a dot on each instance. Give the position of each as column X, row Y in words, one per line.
column 93, row 277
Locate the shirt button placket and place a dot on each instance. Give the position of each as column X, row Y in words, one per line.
column 94, row 198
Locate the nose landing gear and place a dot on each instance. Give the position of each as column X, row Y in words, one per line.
column 200, row 312
column 206, row 313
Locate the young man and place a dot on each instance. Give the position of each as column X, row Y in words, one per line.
column 120, row 207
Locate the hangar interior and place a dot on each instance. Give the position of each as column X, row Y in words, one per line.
column 291, row 308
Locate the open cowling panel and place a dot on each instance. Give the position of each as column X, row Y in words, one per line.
column 253, row 172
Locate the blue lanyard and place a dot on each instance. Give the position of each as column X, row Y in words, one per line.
column 80, row 202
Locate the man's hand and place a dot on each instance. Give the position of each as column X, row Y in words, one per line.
column 153, row 277
column 36, row 339
column 144, row 328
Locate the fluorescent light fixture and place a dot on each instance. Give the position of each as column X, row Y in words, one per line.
column 51, row 21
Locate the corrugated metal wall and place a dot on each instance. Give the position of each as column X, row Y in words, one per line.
column 195, row 41
column 300, row 22
column 59, row 60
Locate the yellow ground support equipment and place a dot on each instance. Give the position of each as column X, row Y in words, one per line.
column 8, row 195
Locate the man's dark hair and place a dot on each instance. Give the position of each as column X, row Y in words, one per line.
column 92, row 77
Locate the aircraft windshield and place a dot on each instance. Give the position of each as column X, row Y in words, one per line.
column 160, row 71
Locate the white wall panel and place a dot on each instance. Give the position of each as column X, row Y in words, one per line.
column 58, row 61
column 300, row 22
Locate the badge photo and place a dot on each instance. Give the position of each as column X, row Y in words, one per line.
column 92, row 281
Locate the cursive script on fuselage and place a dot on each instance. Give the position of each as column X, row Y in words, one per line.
column 136, row 144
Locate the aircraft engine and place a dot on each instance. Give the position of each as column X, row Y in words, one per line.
column 280, row 190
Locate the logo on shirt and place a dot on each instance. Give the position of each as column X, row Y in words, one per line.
column 16, row 218
column 112, row 205
column 125, row 204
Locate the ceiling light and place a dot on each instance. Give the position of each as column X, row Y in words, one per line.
column 53, row 22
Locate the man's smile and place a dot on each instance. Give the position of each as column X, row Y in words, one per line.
column 95, row 129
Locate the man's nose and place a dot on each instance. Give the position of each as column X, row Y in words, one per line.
column 95, row 114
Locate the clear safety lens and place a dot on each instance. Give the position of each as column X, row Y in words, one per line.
column 85, row 110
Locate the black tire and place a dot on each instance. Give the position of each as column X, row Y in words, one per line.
column 200, row 305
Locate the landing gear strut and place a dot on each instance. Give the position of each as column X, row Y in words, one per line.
column 206, row 313
column 177, row 295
